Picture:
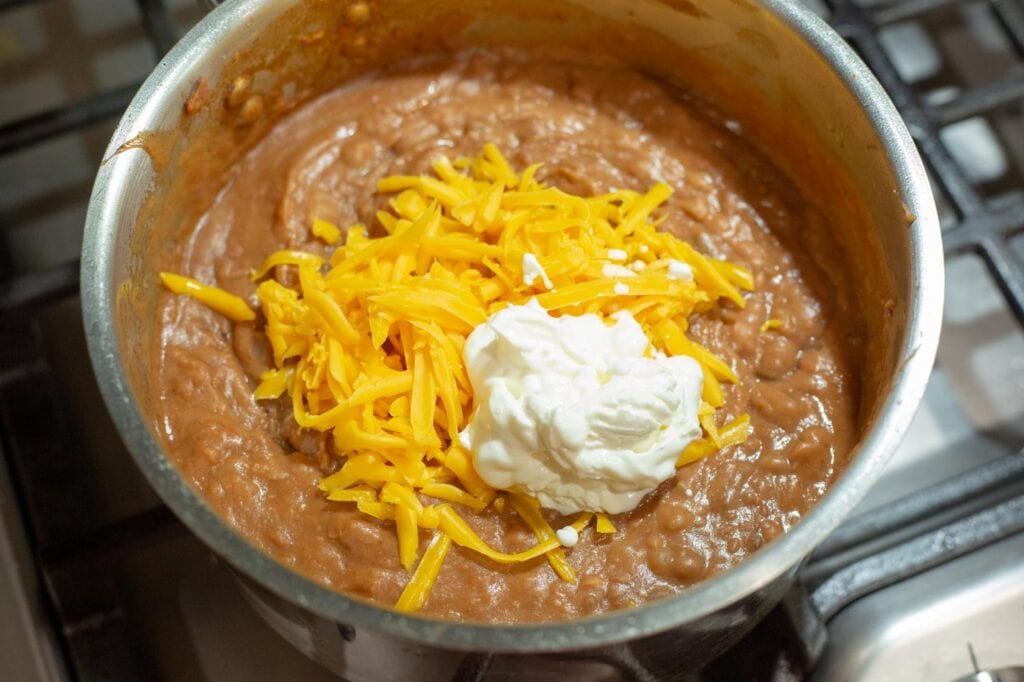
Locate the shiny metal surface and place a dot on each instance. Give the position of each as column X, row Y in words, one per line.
column 917, row 555
column 1014, row 674
column 932, row 625
column 697, row 623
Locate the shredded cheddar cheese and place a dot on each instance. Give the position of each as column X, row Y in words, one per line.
column 416, row 590
column 604, row 524
column 328, row 232
column 367, row 346
column 529, row 509
column 228, row 305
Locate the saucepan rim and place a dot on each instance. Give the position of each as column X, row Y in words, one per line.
column 916, row 355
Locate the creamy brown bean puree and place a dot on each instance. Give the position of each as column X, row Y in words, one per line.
column 596, row 127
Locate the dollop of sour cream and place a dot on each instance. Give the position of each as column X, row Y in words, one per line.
column 570, row 410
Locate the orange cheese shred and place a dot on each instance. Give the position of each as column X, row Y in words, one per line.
column 529, row 509
column 462, row 535
column 604, row 524
column 418, row 588
column 328, row 232
column 228, row 305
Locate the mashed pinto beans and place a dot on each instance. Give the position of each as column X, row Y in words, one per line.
column 596, row 128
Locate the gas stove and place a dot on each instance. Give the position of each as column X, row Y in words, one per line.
column 100, row 582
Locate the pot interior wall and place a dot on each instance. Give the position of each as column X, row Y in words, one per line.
column 737, row 56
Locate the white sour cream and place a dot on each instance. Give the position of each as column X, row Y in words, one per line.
column 533, row 270
column 680, row 270
column 613, row 270
column 568, row 536
column 570, row 410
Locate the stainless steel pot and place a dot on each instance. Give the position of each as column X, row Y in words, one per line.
column 796, row 87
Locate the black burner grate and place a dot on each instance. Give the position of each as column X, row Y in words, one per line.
column 984, row 505
column 983, row 224
column 78, row 557
column 74, row 555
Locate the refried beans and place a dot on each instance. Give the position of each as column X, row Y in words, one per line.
column 596, row 127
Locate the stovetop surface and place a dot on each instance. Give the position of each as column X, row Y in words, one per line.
column 107, row 585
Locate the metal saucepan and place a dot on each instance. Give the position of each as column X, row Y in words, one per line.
column 799, row 91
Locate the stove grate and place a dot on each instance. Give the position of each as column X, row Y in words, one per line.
column 66, row 119
column 984, row 225
column 73, row 555
column 76, row 556
column 981, row 506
